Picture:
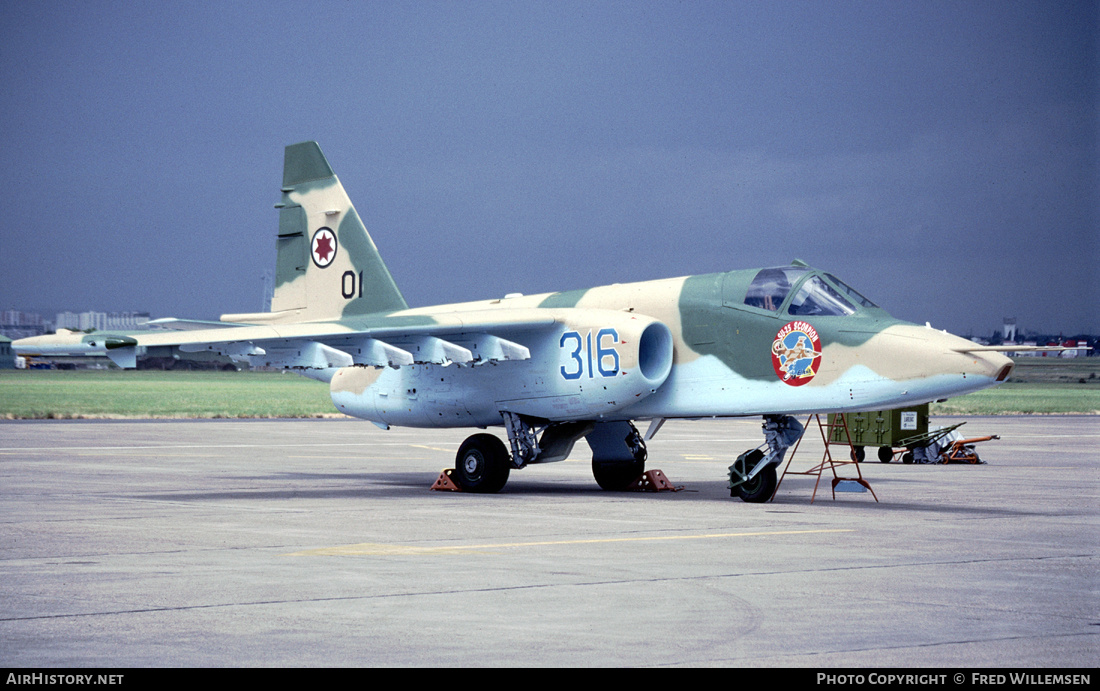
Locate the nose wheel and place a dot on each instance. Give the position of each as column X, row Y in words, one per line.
column 748, row 483
column 753, row 475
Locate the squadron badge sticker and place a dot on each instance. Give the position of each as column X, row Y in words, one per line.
column 796, row 353
column 323, row 247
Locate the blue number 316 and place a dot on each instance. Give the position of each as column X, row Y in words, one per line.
column 581, row 355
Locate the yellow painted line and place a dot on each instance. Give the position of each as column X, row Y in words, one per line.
column 375, row 549
column 430, row 448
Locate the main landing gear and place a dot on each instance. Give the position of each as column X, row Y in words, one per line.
column 483, row 462
column 618, row 454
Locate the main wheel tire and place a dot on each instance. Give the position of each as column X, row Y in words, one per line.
column 615, row 476
column 759, row 489
column 482, row 464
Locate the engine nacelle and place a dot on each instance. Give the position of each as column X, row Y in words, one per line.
column 589, row 365
column 610, row 360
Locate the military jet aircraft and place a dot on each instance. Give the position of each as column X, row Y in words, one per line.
column 553, row 368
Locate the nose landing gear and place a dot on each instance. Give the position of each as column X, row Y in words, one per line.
column 752, row 475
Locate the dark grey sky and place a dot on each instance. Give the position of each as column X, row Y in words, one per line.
column 941, row 157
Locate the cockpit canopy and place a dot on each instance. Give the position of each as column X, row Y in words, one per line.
column 817, row 294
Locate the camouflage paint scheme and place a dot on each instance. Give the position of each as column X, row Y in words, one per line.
column 686, row 347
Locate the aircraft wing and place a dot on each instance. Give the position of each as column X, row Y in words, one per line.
column 461, row 337
column 174, row 324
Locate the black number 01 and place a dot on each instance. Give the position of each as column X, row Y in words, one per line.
column 351, row 285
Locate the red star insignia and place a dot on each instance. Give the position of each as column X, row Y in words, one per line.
column 324, row 248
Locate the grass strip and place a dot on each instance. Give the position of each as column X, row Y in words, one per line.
column 58, row 394
column 1047, row 389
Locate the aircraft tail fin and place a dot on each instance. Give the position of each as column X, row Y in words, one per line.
column 327, row 265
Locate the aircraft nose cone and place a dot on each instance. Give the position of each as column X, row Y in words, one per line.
column 958, row 356
column 934, row 364
column 984, row 363
column 994, row 365
column 1004, row 370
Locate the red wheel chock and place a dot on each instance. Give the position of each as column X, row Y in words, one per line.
column 652, row 481
column 444, row 483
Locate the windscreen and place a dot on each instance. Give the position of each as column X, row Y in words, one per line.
column 818, row 298
column 850, row 292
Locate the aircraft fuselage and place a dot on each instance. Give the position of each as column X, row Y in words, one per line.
column 674, row 348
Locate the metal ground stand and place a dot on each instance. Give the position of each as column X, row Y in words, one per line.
column 827, row 460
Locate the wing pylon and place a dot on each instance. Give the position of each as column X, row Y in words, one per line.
column 465, row 340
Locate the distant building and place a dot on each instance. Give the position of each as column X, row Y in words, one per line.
column 1080, row 348
column 7, row 355
column 103, row 321
column 15, row 324
column 126, row 321
column 92, row 320
column 68, row 320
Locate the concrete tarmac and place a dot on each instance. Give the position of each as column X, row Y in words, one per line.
column 318, row 543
